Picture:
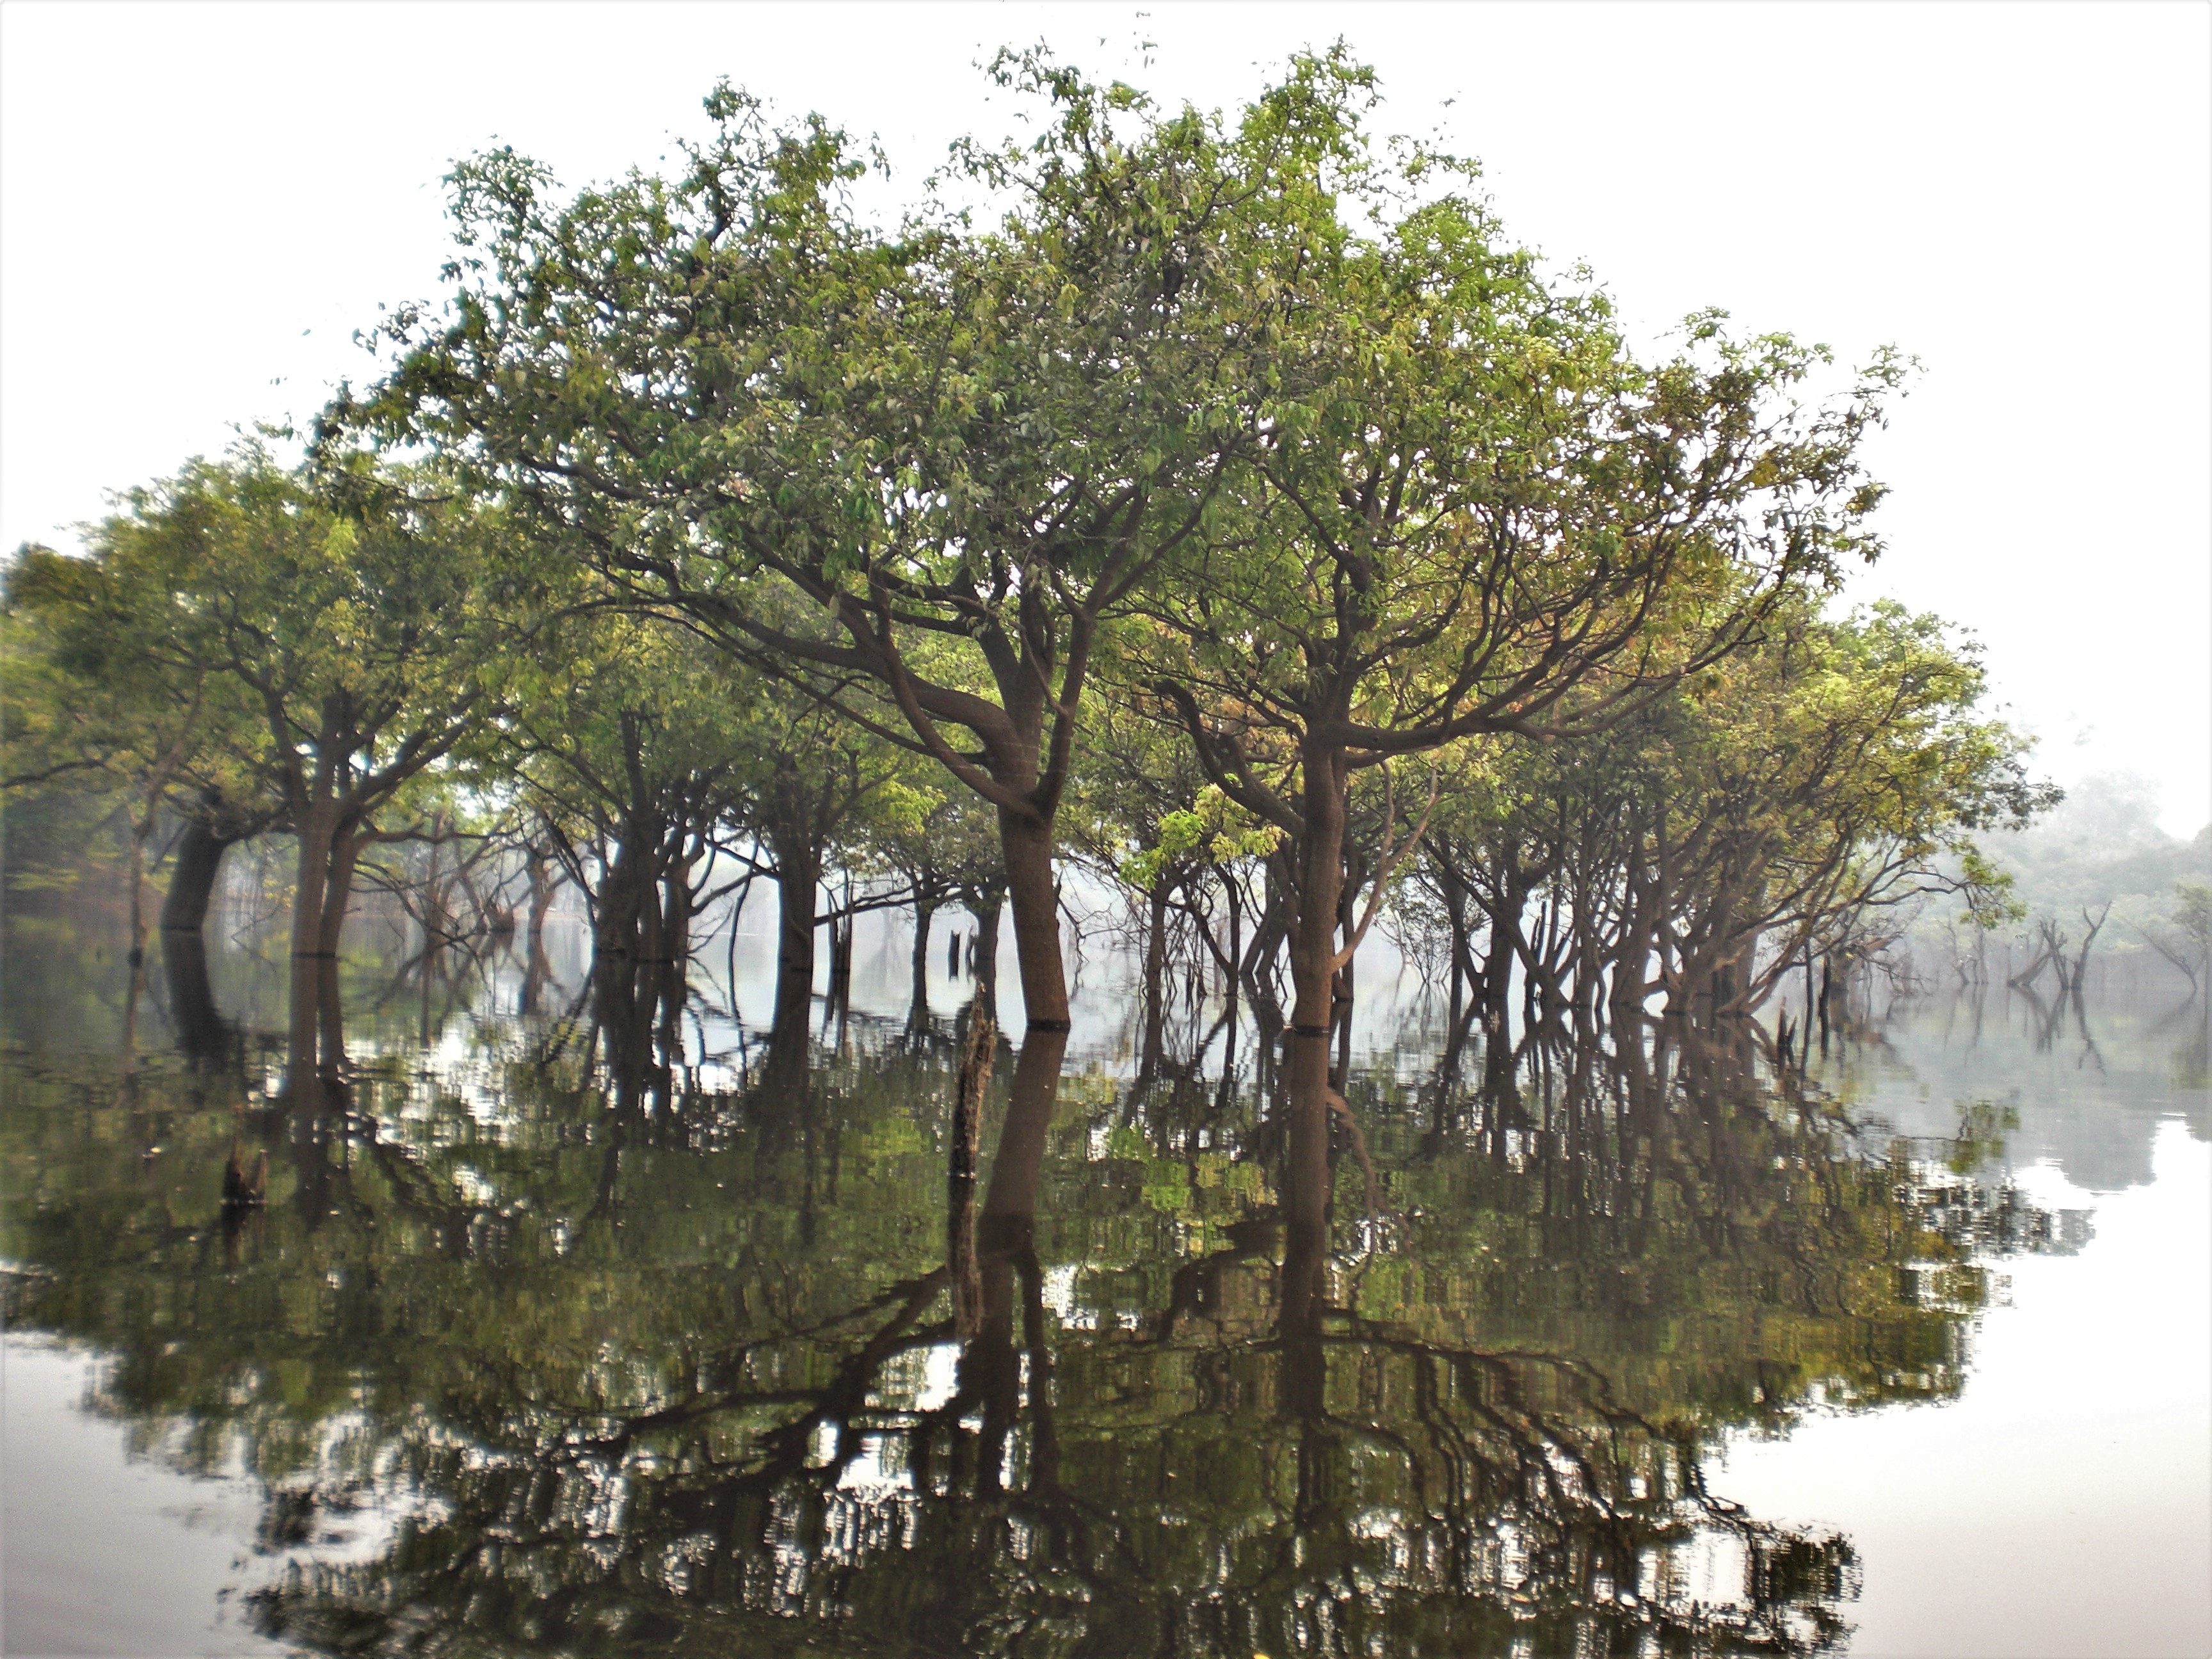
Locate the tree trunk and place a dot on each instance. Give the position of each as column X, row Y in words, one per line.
column 201, row 1032
column 1302, row 1282
column 841, row 955
column 1313, row 948
column 542, row 889
column 330, row 1015
column 1010, row 1201
column 989, row 1369
column 300, row 1035
column 990, row 907
column 924, row 913
column 970, row 1087
column 676, row 914
column 337, row 886
column 539, row 967
column 314, row 828
column 669, row 972
column 797, row 878
column 193, row 883
column 1156, row 989
column 1027, row 843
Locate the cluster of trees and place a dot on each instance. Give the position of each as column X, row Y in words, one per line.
column 1236, row 512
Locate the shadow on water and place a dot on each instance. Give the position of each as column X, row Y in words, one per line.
column 634, row 1331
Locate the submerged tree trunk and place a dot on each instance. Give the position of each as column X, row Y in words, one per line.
column 924, row 913
column 977, row 1051
column 989, row 1371
column 201, row 1032
column 1155, row 988
column 1302, row 1282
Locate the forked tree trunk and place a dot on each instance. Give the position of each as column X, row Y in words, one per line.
column 337, row 886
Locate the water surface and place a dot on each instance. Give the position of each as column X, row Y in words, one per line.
column 570, row 1326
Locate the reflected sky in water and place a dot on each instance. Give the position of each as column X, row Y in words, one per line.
column 569, row 1326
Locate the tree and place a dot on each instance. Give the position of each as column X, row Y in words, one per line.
column 625, row 752
column 1834, row 773
column 962, row 451
column 941, row 845
column 365, row 628
column 1472, row 512
column 93, row 701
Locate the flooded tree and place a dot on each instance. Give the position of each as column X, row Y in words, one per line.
column 112, row 690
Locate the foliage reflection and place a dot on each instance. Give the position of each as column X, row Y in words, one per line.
column 633, row 1342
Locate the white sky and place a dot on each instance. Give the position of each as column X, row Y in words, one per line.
column 199, row 204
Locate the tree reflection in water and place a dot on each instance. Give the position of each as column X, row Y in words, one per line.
column 639, row 1345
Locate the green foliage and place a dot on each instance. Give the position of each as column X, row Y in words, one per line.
column 1213, row 830
column 288, row 640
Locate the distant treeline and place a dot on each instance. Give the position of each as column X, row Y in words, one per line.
column 2097, row 878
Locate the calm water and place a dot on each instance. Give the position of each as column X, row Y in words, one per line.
column 554, row 1336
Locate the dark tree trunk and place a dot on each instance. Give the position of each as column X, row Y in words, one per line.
column 989, row 1369
column 192, row 882
column 1303, row 1280
column 841, row 959
column 1156, row 987
column 625, row 993
column 625, row 911
column 989, row 907
column 799, row 876
column 337, row 887
column 542, row 889
column 671, row 971
column 201, row 1032
column 924, row 913
column 1009, row 1202
column 977, row 1050
column 329, row 1017
column 676, row 915
column 1313, row 946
